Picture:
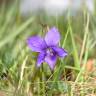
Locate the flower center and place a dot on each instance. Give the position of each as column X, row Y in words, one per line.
column 50, row 51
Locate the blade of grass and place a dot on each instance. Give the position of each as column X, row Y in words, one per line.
column 75, row 51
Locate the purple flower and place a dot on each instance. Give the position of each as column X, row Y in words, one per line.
column 47, row 47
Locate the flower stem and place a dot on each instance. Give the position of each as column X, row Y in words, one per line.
column 42, row 81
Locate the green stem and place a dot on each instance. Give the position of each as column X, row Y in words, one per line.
column 42, row 80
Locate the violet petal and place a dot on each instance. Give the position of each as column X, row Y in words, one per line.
column 51, row 60
column 60, row 51
column 40, row 59
column 36, row 43
column 52, row 37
